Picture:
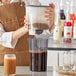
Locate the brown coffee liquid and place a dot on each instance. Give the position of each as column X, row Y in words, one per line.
column 38, row 61
column 9, row 66
column 42, row 26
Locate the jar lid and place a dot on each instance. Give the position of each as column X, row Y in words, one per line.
column 67, row 24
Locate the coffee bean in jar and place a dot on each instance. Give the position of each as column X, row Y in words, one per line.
column 42, row 26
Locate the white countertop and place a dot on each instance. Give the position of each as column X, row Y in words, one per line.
column 25, row 71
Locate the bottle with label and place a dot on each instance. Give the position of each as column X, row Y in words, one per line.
column 68, row 32
column 62, row 14
column 57, row 34
column 62, row 18
column 67, row 27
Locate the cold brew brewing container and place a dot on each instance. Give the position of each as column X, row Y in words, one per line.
column 36, row 21
column 38, row 54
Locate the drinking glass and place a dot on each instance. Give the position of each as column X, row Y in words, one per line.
column 67, row 61
column 9, row 64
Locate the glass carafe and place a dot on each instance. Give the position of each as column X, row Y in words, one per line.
column 38, row 54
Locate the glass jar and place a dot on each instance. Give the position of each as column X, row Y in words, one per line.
column 66, row 60
column 10, row 64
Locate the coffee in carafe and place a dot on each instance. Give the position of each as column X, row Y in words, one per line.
column 38, row 54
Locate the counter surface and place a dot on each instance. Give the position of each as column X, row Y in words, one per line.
column 24, row 71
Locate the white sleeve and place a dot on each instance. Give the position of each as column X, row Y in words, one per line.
column 6, row 38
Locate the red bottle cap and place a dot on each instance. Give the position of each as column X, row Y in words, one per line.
column 72, row 17
column 67, row 24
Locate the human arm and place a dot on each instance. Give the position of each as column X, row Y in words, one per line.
column 9, row 39
column 18, row 33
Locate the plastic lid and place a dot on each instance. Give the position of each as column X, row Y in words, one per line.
column 67, row 24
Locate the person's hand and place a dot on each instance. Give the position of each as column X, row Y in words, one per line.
column 50, row 14
column 23, row 21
